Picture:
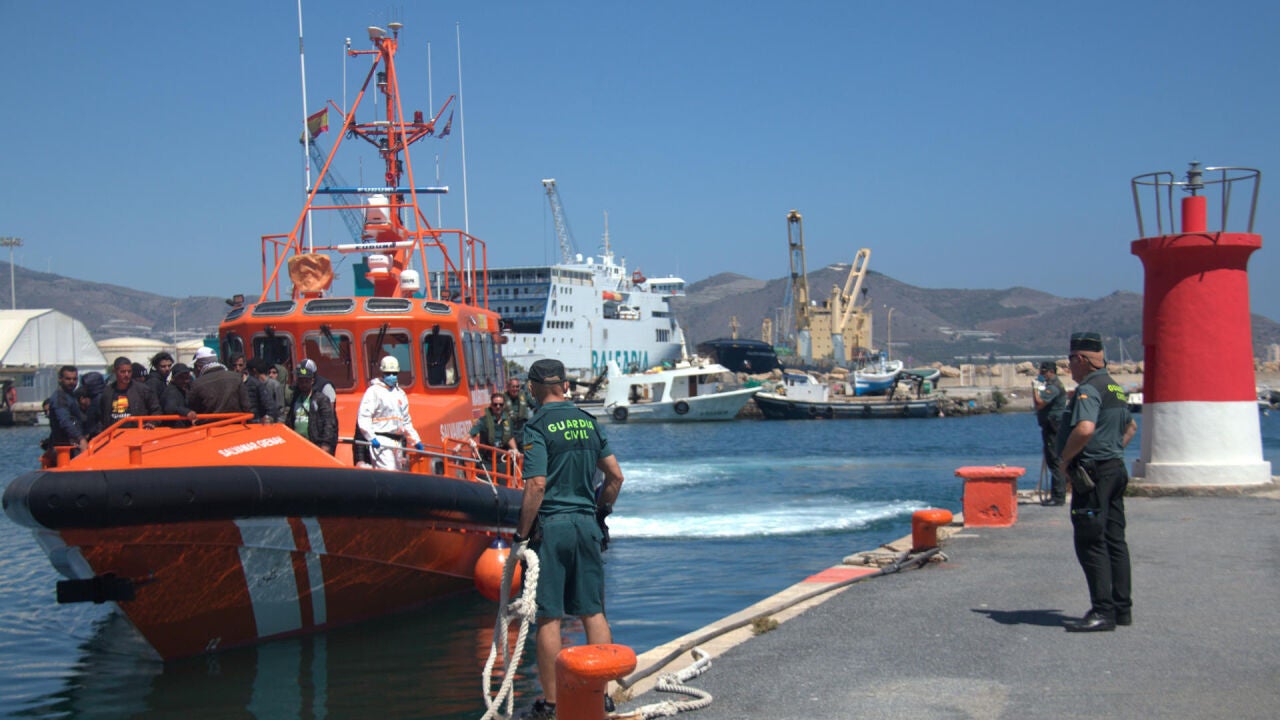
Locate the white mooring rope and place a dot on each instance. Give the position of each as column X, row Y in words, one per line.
column 523, row 608
column 674, row 683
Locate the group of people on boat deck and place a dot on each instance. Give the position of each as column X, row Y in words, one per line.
column 82, row 407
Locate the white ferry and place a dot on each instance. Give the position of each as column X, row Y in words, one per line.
column 587, row 313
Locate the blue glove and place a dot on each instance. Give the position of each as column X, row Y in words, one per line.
column 375, row 444
column 418, row 446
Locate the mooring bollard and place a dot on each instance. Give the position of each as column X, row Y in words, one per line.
column 582, row 673
column 924, row 527
column 990, row 495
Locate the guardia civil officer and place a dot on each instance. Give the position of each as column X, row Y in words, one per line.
column 563, row 449
column 1050, row 398
column 1096, row 427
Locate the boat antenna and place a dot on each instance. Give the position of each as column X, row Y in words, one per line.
column 462, row 137
column 306, row 133
column 431, row 104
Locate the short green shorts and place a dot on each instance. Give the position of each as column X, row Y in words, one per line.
column 570, row 567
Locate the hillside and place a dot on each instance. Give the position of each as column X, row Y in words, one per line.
column 114, row 311
column 936, row 324
column 939, row 324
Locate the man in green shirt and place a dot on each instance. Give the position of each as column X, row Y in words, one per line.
column 1050, row 399
column 564, row 447
column 1096, row 427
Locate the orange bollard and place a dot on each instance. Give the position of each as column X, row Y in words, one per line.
column 582, row 673
column 924, row 527
column 990, row 495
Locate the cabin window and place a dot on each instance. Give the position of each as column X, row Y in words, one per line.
column 469, row 352
column 331, row 352
column 487, row 351
column 275, row 348
column 231, row 344
column 440, row 359
column 396, row 343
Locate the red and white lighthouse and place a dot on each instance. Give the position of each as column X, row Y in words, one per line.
column 1199, row 413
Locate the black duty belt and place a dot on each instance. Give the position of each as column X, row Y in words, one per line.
column 394, row 436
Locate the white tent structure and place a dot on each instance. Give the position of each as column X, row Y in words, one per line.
column 33, row 345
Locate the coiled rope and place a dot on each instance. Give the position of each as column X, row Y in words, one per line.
column 523, row 608
column 675, row 683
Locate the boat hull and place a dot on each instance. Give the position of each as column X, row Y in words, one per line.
column 779, row 407
column 259, row 562
column 724, row 405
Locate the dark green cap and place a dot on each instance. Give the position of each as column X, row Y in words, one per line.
column 547, row 372
column 1086, row 341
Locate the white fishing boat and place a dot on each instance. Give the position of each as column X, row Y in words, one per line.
column 690, row 390
column 877, row 376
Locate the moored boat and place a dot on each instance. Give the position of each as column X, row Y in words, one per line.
column 230, row 532
column 877, row 376
column 801, row 396
column 690, row 390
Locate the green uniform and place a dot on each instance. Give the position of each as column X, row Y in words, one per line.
column 519, row 408
column 1099, row 399
column 491, row 430
column 563, row 444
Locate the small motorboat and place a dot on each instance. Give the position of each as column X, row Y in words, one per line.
column 691, row 390
column 877, row 376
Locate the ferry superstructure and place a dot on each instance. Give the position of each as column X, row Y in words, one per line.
column 587, row 313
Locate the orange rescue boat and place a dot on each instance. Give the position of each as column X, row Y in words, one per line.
column 229, row 532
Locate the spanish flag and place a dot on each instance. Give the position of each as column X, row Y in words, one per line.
column 316, row 124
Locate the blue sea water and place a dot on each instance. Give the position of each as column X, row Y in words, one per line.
column 713, row 517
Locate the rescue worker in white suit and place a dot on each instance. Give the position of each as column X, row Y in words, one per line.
column 384, row 418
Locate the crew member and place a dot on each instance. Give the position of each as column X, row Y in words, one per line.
column 519, row 408
column 493, row 428
column 564, row 447
column 1050, row 398
column 1096, row 427
column 384, row 417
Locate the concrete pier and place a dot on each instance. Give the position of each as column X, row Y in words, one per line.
column 981, row 634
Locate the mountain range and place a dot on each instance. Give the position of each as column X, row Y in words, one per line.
column 945, row 325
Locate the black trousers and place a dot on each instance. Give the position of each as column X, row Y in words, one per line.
column 1049, row 439
column 1097, row 517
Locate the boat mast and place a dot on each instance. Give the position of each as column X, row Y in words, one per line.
column 306, row 134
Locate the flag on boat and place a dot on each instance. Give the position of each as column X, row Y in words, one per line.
column 316, row 124
column 448, row 125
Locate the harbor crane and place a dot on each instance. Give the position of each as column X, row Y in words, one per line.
column 830, row 332
column 799, row 288
column 567, row 247
column 853, row 311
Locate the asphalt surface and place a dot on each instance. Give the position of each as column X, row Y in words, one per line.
column 981, row 634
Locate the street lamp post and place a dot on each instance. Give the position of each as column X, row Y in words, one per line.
column 11, row 243
column 888, row 343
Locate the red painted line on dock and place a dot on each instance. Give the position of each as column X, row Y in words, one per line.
column 839, row 574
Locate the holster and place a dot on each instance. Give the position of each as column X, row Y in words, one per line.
column 1081, row 478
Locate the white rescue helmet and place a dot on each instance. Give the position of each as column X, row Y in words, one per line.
column 389, row 365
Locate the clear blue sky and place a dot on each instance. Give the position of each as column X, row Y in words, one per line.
column 978, row 145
